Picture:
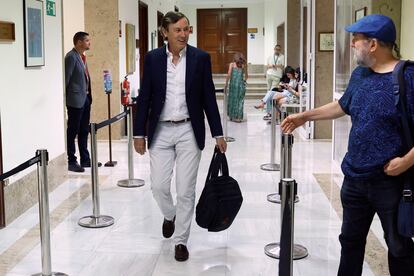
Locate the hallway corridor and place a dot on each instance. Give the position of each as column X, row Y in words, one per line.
column 134, row 244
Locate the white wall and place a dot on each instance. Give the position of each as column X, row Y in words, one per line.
column 73, row 17
column 255, row 19
column 31, row 100
column 128, row 10
column 275, row 12
column 128, row 13
column 407, row 21
column 163, row 6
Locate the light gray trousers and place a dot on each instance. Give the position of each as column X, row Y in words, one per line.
column 175, row 144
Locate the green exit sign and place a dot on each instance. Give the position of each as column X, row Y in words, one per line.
column 50, row 8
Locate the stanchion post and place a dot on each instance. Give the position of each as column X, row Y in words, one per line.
column 286, row 143
column 272, row 166
column 110, row 163
column 130, row 182
column 96, row 220
column 273, row 249
column 226, row 137
column 288, row 187
column 44, row 214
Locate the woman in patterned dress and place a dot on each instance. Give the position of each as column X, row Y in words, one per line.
column 236, row 78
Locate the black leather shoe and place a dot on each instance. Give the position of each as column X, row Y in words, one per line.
column 88, row 164
column 75, row 167
column 168, row 228
column 181, row 253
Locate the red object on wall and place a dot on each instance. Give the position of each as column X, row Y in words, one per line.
column 125, row 91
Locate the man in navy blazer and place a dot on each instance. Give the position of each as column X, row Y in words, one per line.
column 78, row 102
column 177, row 90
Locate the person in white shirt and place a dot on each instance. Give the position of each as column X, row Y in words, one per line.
column 177, row 92
column 275, row 67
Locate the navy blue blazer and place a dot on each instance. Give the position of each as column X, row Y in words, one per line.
column 199, row 93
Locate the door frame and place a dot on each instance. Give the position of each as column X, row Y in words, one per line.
column 307, row 130
column 2, row 205
column 160, row 38
column 143, row 36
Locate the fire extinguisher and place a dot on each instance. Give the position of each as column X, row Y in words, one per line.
column 125, row 91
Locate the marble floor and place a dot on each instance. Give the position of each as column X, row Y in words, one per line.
column 134, row 244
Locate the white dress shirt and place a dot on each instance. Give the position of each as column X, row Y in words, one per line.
column 175, row 106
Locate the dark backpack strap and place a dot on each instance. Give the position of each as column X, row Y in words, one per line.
column 400, row 94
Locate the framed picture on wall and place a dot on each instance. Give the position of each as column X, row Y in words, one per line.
column 360, row 13
column 34, row 48
column 130, row 48
column 326, row 42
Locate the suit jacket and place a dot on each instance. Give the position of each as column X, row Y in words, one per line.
column 199, row 93
column 77, row 84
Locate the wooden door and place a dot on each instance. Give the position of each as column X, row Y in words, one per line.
column 143, row 34
column 209, row 36
column 160, row 15
column 221, row 33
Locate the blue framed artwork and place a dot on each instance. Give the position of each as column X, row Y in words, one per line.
column 34, row 49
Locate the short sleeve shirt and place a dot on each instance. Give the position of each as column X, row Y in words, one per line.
column 275, row 60
column 375, row 135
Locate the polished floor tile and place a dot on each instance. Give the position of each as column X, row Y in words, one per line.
column 134, row 244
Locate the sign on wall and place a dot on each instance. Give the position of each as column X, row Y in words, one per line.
column 50, row 7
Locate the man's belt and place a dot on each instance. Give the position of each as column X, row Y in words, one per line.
column 177, row 122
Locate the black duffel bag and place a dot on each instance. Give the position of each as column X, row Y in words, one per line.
column 221, row 198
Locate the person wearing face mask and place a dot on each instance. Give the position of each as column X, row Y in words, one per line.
column 374, row 163
column 177, row 90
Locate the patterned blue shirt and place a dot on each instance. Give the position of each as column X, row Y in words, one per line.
column 375, row 136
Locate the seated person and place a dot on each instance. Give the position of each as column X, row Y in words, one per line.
column 291, row 91
column 272, row 94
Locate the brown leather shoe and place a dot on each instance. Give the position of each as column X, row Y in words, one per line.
column 168, row 228
column 181, row 253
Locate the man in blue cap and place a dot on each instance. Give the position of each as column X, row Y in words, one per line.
column 375, row 161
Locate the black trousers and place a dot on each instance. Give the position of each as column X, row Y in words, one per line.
column 361, row 199
column 78, row 125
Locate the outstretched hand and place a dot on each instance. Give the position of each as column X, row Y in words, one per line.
column 291, row 122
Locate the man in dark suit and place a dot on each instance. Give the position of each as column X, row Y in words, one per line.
column 78, row 102
column 177, row 89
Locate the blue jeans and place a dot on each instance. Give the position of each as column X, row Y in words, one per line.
column 361, row 199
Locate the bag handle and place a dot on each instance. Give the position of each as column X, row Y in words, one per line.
column 218, row 164
column 400, row 94
column 212, row 167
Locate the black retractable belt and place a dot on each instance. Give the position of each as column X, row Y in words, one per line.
column 21, row 167
column 112, row 120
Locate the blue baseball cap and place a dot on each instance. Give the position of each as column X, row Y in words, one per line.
column 376, row 26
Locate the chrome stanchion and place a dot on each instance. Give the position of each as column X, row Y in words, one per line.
column 286, row 143
column 272, row 249
column 130, row 182
column 44, row 215
column 272, row 166
column 288, row 188
column 226, row 137
column 96, row 220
